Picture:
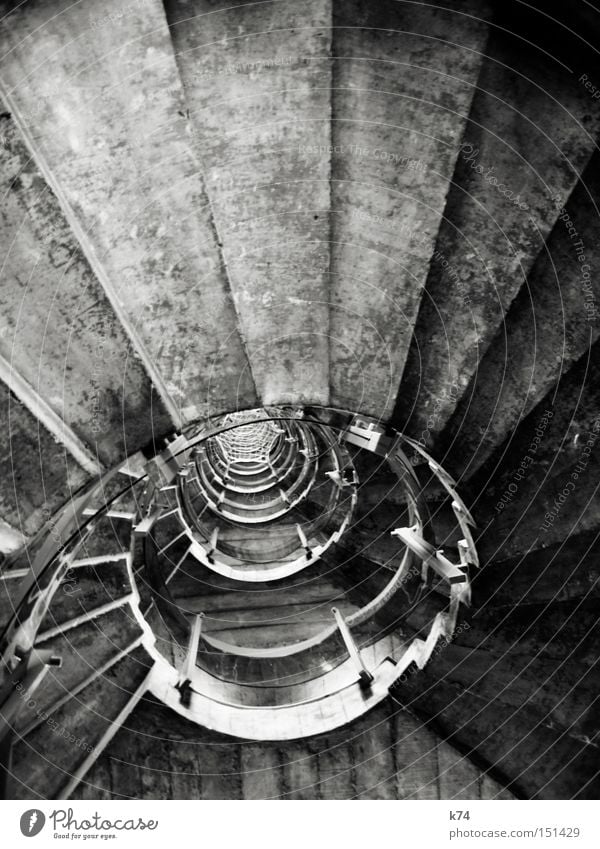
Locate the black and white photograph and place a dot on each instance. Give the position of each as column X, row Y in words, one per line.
column 300, row 419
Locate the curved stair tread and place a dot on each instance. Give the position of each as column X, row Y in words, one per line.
column 270, row 202
column 533, row 348
column 403, row 83
column 535, row 761
column 536, row 145
column 61, row 286
column 83, row 591
column 85, row 653
column 45, row 765
column 118, row 173
column 287, row 722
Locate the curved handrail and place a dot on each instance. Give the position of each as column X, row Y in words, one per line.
column 49, row 565
column 311, row 528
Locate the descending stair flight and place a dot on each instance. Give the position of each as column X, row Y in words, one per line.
column 299, row 371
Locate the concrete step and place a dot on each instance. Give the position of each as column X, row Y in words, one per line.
column 83, row 591
column 111, row 536
column 549, row 490
column 257, row 102
column 47, row 760
column 531, row 629
column 566, row 570
column 403, row 81
column 511, row 685
column 562, row 695
column 37, row 474
column 70, row 347
column 535, row 761
column 529, row 137
column 138, row 207
column 86, row 652
column 534, row 347
column 405, row 760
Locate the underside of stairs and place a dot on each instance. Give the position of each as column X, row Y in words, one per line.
column 363, row 238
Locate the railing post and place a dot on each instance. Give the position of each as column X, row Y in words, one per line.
column 366, row 679
column 185, row 682
column 163, row 468
column 431, row 556
column 145, row 525
column 213, row 546
column 304, row 541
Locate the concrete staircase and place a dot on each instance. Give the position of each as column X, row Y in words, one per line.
column 376, row 207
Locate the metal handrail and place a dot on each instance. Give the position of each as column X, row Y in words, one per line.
column 54, row 555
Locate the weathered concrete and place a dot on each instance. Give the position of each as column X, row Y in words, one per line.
column 522, row 658
column 387, row 753
column 550, row 508
column 45, row 760
column 519, row 689
column 38, row 475
column 530, row 133
column 257, row 83
column 564, row 571
column 10, row 538
column 513, row 686
column 403, row 81
column 537, row 761
column 102, row 103
column 541, row 485
column 549, row 326
column 58, row 330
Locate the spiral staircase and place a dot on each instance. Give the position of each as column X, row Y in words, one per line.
column 299, row 365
